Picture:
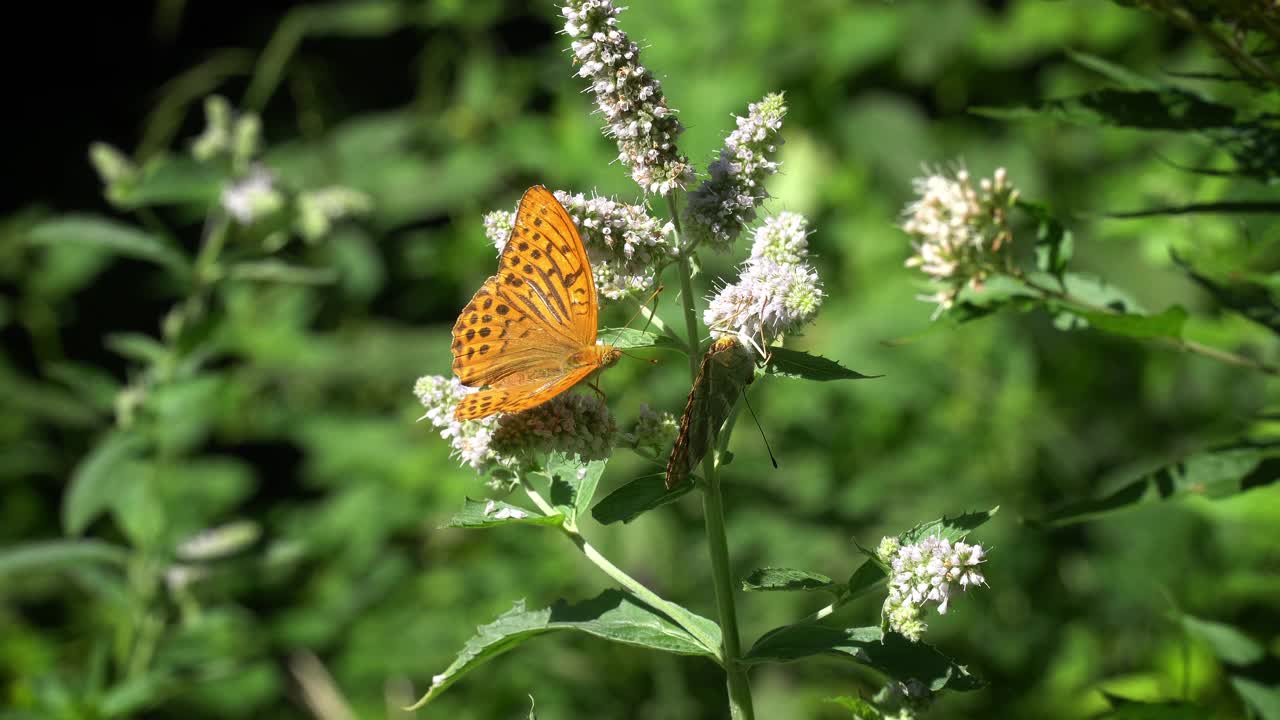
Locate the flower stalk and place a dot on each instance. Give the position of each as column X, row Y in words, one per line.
column 569, row 529
column 739, row 688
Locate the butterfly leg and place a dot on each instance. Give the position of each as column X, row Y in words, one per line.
column 595, row 386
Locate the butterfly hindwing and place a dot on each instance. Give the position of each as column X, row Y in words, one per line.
column 726, row 369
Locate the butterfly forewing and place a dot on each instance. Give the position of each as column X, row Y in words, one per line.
column 726, row 369
column 523, row 332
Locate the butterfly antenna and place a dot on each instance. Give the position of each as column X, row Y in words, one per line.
column 643, row 305
column 768, row 449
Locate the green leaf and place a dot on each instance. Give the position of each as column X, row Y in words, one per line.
column 131, row 697
column 995, row 294
column 281, row 272
column 170, row 180
column 795, row 364
column 365, row 18
column 890, row 654
column 868, row 575
column 1167, row 324
column 948, row 528
column 1263, row 699
column 639, row 496
column 143, row 349
column 1125, row 709
column 578, row 479
column 98, row 480
column 1251, row 142
column 1114, row 72
column 491, row 513
column 1096, row 291
column 1054, row 242
column 1229, row 644
column 1213, row 474
column 770, row 578
column 628, row 338
column 109, row 235
column 1251, row 300
column 612, row 615
column 42, row 556
column 861, row 709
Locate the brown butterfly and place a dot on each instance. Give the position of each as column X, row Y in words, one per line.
column 726, row 369
column 529, row 333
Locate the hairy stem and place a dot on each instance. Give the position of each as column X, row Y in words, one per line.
column 1191, row 346
column 740, row 705
column 569, row 529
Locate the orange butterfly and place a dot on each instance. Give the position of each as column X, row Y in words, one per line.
column 529, row 333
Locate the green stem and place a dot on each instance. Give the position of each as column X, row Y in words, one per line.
column 569, row 529
column 739, row 688
column 1190, row 346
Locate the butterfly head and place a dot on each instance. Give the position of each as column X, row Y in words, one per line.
column 609, row 356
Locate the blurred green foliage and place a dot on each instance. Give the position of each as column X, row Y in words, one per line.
column 285, row 400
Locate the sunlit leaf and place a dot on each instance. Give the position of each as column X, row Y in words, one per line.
column 795, row 364
column 1252, row 142
column 491, row 513
column 1167, row 324
column 630, row 338
column 948, row 528
column 1253, row 301
column 1228, row 643
column 612, row 615
column 639, row 496
column 1211, row 474
column 1262, row 699
column 789, row 579
column 572, row 482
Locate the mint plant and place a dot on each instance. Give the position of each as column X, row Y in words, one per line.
column 555, row 454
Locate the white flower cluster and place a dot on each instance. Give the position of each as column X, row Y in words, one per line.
column 497, row 227
column 470, row 438
column 574, row 424
column 252, row 197
column 319, row 209
column 778, row 291
column 626, row 244
column 726, row 202
column 571, row 423
column 653, row 432
column 960, row 233
column 925, row 572
column 628, row 95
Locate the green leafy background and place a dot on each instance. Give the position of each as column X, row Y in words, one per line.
column 305, row 423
